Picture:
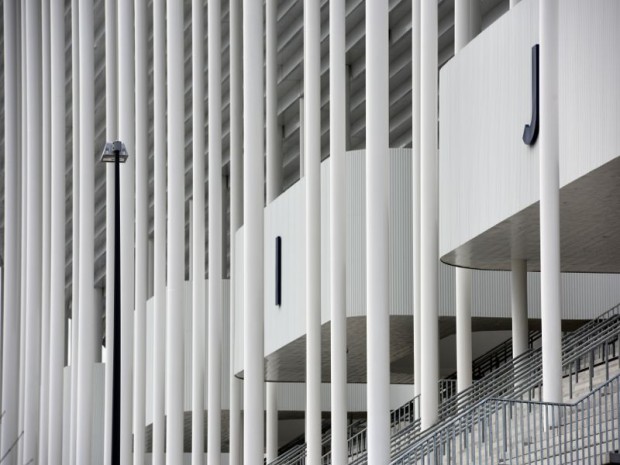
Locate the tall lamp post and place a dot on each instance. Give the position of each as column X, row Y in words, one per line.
column 116, row 152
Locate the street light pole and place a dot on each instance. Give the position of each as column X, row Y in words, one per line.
column 115, row 152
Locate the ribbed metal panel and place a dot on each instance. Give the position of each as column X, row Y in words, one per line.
column 356, row 233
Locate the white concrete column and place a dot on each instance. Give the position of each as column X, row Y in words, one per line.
column 518, row 300
column 274, row 135
column 32, row 359
column 302, row 138
column 377, row 253
column 45, row 262
column 12, row 239
column 253, row 237
column 198, row 231
column 86, row 296
column 176, row 226
column 463, row 329
column 337, row 264
column 159, row 228
column 551, row 317
column 312, row 151
column 429, row 231
column 415, row 186
column 214, row 443
column 466, row 27
column 236, row 217
column 126, row 130
column 272, row 421
column 142, row 233
column 75, row 220
column 111, row 115
column 466, row 22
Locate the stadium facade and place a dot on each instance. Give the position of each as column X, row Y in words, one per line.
column 350, row 232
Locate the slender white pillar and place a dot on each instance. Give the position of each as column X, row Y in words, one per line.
column 302, row 138
column 415, row 186
column 429, row 232
column 236, row 217
column 23, row 223
column 86, row 296
column 466, row 22
column 176, row 226
column 197, row 223
column 142, row 234
column 111, row 114
column 312, row 152
column 274, row 150
column 126, row 130
column 272, row 421
column 466, row 27
column 463, row 329
column 337, row 264
column 159, row 229
column 75, row 219
column 551, row 317
column 214, row 440
column 32, row 360
column 11, row 275
column 253, row 195
column 45, row 262
column 518, row 300
column 377, row 207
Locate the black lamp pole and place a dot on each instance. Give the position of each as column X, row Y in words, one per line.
column 116, row 376
column 115, row 152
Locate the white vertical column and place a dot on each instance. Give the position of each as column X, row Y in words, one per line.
column 141, row 259
column 11, row 275
column 337, row 265
column 176, row 208
column 415, row 186
column 312, row 152
column 45, row 262
column 75, row 219
column 429, row 232
column 302, row 138
column 551, row 318
column 272, row 421
column 377, row 179
column 236, row 217
column 198, row 231
column 86, row 296
column 463, row 329
column 466, row 27
column 159, row 229
column 126, row 126
column 111, row 114
column 274, row 150
column 214, row 440
column 253, row 237
column 518, row 300
column 32, row 360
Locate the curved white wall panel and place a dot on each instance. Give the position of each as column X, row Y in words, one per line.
column 487, row 173
column 584, row 295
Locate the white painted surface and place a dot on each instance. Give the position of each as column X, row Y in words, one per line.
column 483, row 159
column 584, row 295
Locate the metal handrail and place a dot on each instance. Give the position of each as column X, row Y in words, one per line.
column 518, row 431
column 520, row 375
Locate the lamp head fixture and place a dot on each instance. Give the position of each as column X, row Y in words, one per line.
column 111, row 149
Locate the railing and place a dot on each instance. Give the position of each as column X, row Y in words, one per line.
column 500, row 431
column 519, row 376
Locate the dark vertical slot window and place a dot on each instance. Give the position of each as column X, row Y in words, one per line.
column 278, row 271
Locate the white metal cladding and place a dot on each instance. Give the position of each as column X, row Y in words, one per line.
column 487, row 173
column 292, row 396
column 584, row 296
column 187, row 308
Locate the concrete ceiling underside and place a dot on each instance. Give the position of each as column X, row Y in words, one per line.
column 589, row 230
column 288, row 364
